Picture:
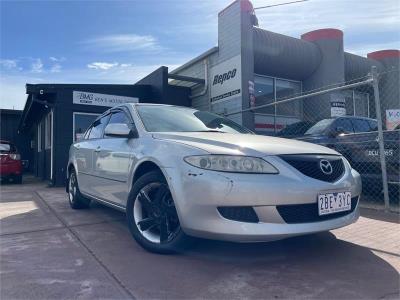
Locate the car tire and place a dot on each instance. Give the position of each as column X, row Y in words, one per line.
column 160, row 210
column 75, row 198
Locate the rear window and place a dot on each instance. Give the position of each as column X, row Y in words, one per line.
column 6, row 147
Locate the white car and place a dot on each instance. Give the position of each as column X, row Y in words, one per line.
column 178, row 172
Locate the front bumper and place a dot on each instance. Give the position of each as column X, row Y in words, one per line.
column 197, row 194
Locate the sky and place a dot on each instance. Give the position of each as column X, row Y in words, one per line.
column 122, row 41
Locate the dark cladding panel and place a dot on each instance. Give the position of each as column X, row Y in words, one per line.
column 283, row 56
column 164, row 93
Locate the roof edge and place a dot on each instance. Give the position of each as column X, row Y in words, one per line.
column 382, row 54
column 324, row 33
column 194, row 60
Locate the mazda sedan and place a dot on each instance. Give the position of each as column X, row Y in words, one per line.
column 179, row 173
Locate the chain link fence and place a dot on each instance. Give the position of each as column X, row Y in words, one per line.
column 353, row 118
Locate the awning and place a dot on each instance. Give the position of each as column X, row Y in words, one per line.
column 185, row 81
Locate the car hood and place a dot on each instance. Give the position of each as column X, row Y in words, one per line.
column 243, row 144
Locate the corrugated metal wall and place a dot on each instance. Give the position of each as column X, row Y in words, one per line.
column 357, row 66
column 283, row 56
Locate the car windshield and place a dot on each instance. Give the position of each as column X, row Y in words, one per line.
column 157, row 118
column 319, row 127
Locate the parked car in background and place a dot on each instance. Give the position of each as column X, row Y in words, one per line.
column 10, row 162
column 179, row 172
column 357, row 139
column 295, row 130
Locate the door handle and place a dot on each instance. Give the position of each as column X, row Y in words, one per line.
column 97, row 149
column 77, row 147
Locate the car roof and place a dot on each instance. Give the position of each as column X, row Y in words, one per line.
column 159, row 104
column 353, row 117
column 139, row 104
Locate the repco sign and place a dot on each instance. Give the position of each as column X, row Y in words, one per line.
column 226, row 80
column 220, row 79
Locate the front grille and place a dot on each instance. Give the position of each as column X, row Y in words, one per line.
column 309, row 165
column 307, row 213
column 239, row 213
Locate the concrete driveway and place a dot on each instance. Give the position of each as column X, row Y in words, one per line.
column 49, row 251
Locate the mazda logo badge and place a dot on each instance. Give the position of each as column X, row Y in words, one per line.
column 325, row 167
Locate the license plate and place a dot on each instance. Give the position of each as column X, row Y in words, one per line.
column 333, row 203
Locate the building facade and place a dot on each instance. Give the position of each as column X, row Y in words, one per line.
column 56, row 115
column 249, row 67
column 252, row 66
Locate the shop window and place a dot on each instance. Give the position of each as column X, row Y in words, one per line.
column 361, row 103
column 264, row 92
column 82, row 121
column 348, row 96
column 268, row 90
column 357, row 103
column 286, row 89
column 48, row 130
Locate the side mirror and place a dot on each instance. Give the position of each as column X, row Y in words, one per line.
column 120, row 130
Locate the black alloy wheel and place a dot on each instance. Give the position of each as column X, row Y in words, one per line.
column 152, row 216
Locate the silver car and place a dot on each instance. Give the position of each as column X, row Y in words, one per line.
column 179, row 172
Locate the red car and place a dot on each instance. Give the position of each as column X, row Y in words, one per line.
column 10, row 162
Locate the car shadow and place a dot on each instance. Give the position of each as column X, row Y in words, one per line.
column 313, row 266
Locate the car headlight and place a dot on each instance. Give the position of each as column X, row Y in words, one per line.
column 231, row 163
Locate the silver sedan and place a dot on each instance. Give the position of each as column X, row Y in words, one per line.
column 179, row 173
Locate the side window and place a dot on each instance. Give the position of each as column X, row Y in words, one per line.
column 119, row 117
column 98, row 127
column 344, row 124
column 360, row 125
column 373, row 124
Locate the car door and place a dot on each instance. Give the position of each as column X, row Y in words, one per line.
column 87, row 150
column 113, row 161
column 368, row 149
column 342, row 142
column 83, row 157
column 364, row 143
